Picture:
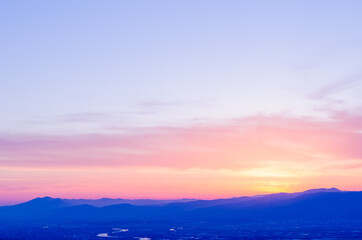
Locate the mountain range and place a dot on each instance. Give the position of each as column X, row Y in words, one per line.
column 312, row 204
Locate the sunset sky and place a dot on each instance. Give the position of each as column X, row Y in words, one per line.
column 179, row 99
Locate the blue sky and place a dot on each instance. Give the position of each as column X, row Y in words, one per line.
column 168, row 62
column 172, row 99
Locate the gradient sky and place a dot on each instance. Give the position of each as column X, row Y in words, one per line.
column 173, row 99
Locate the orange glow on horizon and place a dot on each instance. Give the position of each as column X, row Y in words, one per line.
column 245, row 157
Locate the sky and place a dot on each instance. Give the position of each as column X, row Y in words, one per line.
column 179, row 99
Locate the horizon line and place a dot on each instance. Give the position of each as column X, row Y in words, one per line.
column 174, row 199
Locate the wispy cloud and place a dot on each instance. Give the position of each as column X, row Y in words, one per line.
column 240, row 156
column 153, row 103
column 99, row 117
column 338, row 86
column 237, row 144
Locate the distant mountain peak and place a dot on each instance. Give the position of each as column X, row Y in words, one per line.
column 317, row 190
column 45, row 198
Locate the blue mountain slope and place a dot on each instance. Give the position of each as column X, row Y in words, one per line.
column 34, row 206
column 324, row 205
column 312, row 204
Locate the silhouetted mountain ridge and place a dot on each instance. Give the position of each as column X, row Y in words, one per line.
column 311, row 204
column 103, row 201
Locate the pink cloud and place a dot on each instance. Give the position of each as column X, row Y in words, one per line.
column 236, row 144
column 241, row 156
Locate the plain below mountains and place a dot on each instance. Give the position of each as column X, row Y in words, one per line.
column 315, row 204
